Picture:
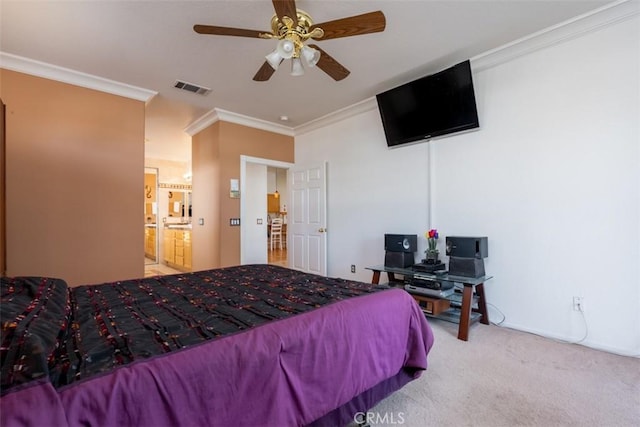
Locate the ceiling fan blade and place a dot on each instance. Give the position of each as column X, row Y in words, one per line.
column 228, row 31
column 286, row 8
column 372, row 22
column 264, row 73
column 330, row 65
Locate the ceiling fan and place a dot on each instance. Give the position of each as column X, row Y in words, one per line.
column 292, row 27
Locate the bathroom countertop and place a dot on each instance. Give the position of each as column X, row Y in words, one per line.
column 178, row 226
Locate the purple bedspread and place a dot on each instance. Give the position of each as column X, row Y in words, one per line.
column 288, row 372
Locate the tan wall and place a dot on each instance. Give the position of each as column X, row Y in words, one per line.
column 205, row 238
column 74, row 165
column 216, row 155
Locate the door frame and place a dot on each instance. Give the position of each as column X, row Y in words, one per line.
column 155, row 171
column 243, row 174
column 3, row 191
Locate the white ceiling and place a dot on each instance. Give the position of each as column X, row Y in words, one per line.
column 150, row 44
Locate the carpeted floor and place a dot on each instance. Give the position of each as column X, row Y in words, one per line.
column 502, row 377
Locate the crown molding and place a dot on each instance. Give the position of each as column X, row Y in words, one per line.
column 229, row 116
column 557, row 34
column 20, row 64
column 575, row 27
column 216, row 114
column 202, row 122
column 338, row 115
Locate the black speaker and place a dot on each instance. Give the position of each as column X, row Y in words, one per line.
column 467, row 267
column 400, row 242
column 467, row 247
column 399, row 259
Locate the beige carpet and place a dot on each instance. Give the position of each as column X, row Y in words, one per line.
column 502, row 377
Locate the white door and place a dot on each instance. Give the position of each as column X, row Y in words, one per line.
column 307, row 219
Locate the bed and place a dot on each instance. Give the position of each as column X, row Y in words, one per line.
column 258, row 345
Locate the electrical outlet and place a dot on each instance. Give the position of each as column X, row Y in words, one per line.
column 353, row 268
column 578, row 304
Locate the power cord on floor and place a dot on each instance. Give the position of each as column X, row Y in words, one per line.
column 461, row 288
column 586, row 329
column 501, row 314
column 580, row 341
column 584, row 319
column 584, row 337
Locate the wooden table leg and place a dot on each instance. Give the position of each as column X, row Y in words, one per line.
column 376, row 277
column 465, row 313
column 482, row 304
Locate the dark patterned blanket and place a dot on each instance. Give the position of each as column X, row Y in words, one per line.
column 65, row 334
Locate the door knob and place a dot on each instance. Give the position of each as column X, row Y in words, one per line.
column 322, row 230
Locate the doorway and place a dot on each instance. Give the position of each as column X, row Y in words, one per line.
column 150, row 216
column 258, row 178
column 277, row 199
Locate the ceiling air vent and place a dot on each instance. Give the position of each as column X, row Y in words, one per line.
column 190, row 87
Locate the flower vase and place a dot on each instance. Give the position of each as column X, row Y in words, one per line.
column 432, row 256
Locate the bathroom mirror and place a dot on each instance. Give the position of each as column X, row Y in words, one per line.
column 179, row 204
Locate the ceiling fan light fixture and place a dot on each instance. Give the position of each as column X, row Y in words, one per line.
column 310, row 55
column 286, row 48
column 296, row 67
column 292, row 27
column 274, row 59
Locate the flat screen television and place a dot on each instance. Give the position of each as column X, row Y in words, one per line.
column 435, row 105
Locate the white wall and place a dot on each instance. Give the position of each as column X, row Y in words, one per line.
column 552, row 178
column 371, row 190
